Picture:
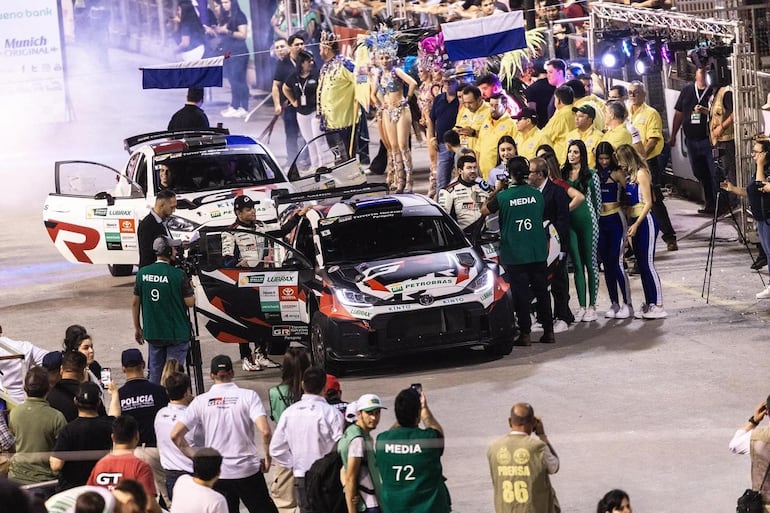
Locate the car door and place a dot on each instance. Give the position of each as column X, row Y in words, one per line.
column 266, row 299
column 93, row 215
column 317, row 166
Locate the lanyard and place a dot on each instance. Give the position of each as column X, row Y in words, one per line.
column 700, row 96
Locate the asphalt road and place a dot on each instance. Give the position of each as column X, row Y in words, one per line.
column 647, row 406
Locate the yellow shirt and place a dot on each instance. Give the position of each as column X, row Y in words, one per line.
column 598, row 106
column 562, row 123
column 591, row 138
column 337, row 105
column 527, row 144
column 489, row 135
column 474, row 120
column 647, row 120
column 617, row 136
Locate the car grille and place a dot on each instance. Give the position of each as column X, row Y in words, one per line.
column 447, row 325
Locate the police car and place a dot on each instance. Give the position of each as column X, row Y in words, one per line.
column 94, row 212
column 362, row 278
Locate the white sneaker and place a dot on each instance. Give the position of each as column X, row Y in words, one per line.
column 229, row 112
column 612, row 312
column 262, row 360
column 240, row 112
column 765, row 294
column 580, row 314
column 624, row 312
column 639, row 314
column 250, row 366
column 560, row 326
column 590, row 314
column 655, row 312
column 536, row 326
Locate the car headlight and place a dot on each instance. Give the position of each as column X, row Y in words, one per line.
column 180, row 224
column 355, row 298
column 483, row 282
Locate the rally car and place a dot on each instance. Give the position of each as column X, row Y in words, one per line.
column 94, row 213
column 361, row 278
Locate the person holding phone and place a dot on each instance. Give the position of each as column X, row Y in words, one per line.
column 758, row 193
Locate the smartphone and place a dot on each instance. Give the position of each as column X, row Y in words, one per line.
column 417, row 387
column 106, row 376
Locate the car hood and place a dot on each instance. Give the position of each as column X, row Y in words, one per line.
column 438, row 274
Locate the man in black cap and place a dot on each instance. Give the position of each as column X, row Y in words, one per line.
column 89, row 432
column 162, row 295
column 191, row 116
column 245, row 246
column 142, row 399
column 229, row 417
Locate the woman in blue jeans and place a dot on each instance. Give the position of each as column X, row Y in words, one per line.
column 233, row 29
column 758, row 192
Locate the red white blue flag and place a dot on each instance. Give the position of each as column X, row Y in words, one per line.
column 182, row 75
column 482, row 37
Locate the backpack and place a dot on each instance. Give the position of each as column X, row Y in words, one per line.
column 323, row 488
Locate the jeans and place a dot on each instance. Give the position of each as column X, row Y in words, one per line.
column 291, row 129
column 702, row 164
column 763, row 229
column 171, row 478
column 158, row 354
column 235, row 71
column 446, row 162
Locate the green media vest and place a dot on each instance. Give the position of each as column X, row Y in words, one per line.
column 520, row 479
column 409, row 460
column 354, row 431
column 164, row 314
column 522, row 237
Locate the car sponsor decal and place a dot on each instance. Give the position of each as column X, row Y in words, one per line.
column 56, row 229
column 127, row 226
column 108, row 212
column 287, row 331
column 274, row 279
column 287, row 293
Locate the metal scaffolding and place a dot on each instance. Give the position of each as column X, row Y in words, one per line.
column 747, row 118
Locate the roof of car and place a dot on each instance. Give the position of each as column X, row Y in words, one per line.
column 373, row 203
column 203, row 142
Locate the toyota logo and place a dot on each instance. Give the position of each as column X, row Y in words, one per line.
column 426, row 300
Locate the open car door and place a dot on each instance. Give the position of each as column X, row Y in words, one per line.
column 318, row 166
column 265, row 299
column 93, row 215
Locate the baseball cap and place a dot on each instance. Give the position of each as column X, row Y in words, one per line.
column 52, row 361
column 131, row 358
column 369, row 402
column 351, row 412
column 89, row 394
column 242, row 202
column 332, row 383
column 221, row 363
column 527, row 113
column 586, row 109
column 162, row 244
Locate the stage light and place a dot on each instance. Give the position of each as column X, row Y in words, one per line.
column 665, row 52
column 614, row 55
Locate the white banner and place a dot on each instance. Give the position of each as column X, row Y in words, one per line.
column 32, row 85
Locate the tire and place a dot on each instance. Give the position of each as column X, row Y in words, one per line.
column 121, row 270
column 318, row 349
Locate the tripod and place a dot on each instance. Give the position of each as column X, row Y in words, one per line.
column 706, row 289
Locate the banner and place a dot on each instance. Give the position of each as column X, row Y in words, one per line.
column 181, row 75
column 482, row 37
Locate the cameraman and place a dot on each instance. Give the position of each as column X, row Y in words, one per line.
column 756, row 441
column 523, row 247
column 758, row 193
column 162, row 294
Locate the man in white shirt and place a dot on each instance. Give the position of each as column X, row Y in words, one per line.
column 229, row 417
column 195, row 493
column 172, row 459
column 12, row 371
column 306, row 432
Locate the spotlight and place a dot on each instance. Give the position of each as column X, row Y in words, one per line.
column 665, row 52
column 614, row 55
column 642, row 65
column 648, row 59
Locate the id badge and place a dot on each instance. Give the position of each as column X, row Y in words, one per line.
column 303, row 100
column 695, row 118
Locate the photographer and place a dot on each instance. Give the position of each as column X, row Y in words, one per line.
column 756, row 441
column 758, row 193
column 162, row 294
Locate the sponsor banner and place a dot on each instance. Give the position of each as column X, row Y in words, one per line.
column 290, row 331
column 268, row 294
column 287, row 293
column 289, row 306
column 251, row 279
column 290, row 316
column 127, row 226
column 273, row 279
column 111, row 226
column 112, row 236
column 422, row 284
column 362, row 313
column 270, row 306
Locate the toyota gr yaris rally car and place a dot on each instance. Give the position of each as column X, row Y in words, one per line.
column 94, row 213
column 365, row 278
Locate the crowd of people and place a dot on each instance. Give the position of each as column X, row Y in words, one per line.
column 152, row 446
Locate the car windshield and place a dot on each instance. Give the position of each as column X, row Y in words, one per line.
column 352, row 239
column 211, row 170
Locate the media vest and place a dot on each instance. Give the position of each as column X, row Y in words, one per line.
column 719, row 114
column 519, row 477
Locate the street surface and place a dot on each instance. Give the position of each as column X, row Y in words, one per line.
column 646, row 406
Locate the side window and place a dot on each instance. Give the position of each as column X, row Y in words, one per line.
column 136, row 170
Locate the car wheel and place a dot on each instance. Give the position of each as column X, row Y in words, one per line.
column 318, row 347
column 121, row 270
column 500, row 348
